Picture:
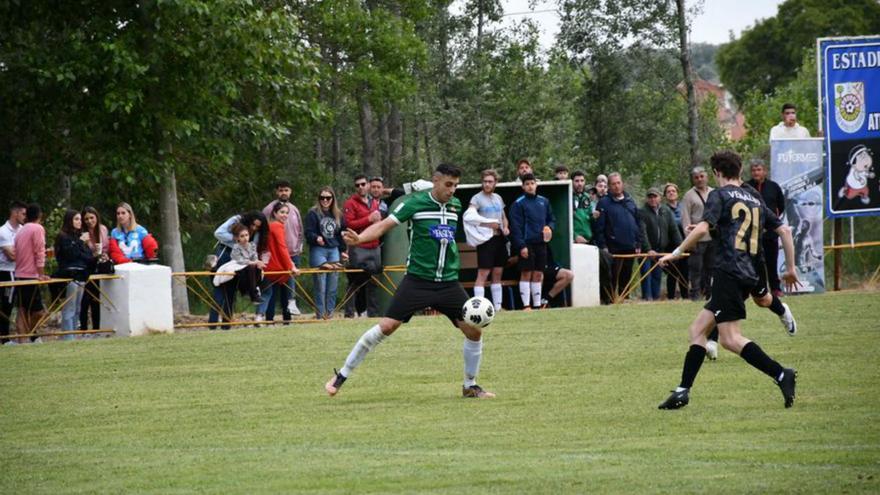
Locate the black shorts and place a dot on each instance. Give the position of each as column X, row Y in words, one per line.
column 537, row 260
column 415, row 294
column 728, row 298
column 29, row 296
column 492, row 253
column 762, row 287
column 550, row 273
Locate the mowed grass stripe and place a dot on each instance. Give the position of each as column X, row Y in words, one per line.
column 244, row 411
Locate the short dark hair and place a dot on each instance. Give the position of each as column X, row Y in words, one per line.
column 282, row 183
column 788, row 106
column 728, row 163
column 560, row 168
column 448, row 169
column 528, row 177
column 377, row 178
column 523, row 160
column 358, row 177
column 578, row 173
column 17, row 205
column 33, row 212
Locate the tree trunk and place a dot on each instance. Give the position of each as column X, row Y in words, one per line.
column 172, row 246
column 336, row 152
column 685, row 57
column 415, row 142
column 395, row 142
column 427, row 146
column 368, row 138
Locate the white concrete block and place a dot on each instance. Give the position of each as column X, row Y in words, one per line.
column 141, row 300
column 585, row 265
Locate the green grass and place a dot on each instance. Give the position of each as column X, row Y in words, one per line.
column 244, row 411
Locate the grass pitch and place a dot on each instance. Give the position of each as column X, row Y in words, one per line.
column 245, row 412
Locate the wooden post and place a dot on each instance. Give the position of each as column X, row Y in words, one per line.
column 838, row 233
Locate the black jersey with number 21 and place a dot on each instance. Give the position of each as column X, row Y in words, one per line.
column 737, row 216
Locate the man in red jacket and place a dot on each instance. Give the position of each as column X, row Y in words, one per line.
column 359, row 213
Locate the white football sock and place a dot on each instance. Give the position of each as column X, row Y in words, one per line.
column 496, row 295
column 473, row 352
column 479, row 291
column 536, row 294
column 371, row 338
column 524, row 292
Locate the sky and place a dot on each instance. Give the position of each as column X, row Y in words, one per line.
column 714, row 25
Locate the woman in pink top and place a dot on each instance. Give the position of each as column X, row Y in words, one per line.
column 30, row 262
column 99, row 243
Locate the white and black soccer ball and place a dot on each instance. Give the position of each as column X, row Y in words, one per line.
column 478, row 311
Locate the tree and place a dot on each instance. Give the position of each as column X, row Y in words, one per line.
column 768, row 54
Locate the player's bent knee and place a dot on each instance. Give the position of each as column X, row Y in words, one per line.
column 389, row 325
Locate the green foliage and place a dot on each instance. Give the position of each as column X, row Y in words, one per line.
column 769, row 54
column 243, row 411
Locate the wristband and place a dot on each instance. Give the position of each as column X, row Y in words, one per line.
column 676, row 252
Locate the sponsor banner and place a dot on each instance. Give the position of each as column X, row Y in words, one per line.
column 849, row 85
column 797, row 166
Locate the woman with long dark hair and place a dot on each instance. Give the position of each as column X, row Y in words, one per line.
column 74, row 262
column 99, row 244
column 279, row 261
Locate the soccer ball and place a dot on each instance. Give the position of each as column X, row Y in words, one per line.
column 478, row 311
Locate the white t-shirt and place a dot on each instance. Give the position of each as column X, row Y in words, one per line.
column 781, row 131
column 7, row 239
column 489, row 206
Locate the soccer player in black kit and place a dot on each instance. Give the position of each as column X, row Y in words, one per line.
column 735, row 216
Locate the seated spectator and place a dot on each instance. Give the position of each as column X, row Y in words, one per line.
column 279, row 261
column 99, row 245
column 130, row 241
column 258, row 229
column 661, row 235
column 30, row 263
column 75, row 261
column 556, row 279
column 324, row 227
column 246, row 264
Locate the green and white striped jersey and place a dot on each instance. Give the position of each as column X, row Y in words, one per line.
column 433, row 254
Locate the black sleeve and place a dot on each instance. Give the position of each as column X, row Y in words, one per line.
column 713, row 208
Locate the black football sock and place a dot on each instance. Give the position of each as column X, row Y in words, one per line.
column 714, row 334
column 776, row 306
column 754, row 355
column 692, row 362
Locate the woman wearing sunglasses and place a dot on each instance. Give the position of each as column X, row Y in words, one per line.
column 323, row 228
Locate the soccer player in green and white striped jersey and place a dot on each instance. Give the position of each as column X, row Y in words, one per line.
column 431, row 278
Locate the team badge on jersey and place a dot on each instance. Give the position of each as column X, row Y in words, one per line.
column 849, row 106
column 439, row 232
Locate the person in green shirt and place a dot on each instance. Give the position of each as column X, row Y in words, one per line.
column 583, row 210
column 431, row 278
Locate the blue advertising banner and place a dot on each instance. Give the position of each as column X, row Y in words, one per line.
column 849, row 114
column 797, row 166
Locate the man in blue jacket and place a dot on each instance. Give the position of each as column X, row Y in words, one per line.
column 531, row 228
column 619, row 231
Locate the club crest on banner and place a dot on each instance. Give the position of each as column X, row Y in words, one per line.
column 849, row 106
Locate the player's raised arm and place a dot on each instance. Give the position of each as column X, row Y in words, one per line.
column 371, row 233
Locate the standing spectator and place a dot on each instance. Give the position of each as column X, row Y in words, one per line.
column 258, row 228
column 775, row 200
column 279, row 261
column 599, row 191
column 30, row 263
column 583, row 210
column 523, row 167
column 75, row 260
column 17, row 213
column 99, row 245
column 326, row 248
column 700, row 261
column 560, row 172
column 359, row 213
column 293, row 232
column 662, row 236
column 789, row 127
column 377, row 191
column 619, row 231
column 677, row 270
column 492, row 248
column 531, row 228
column 130, row 241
